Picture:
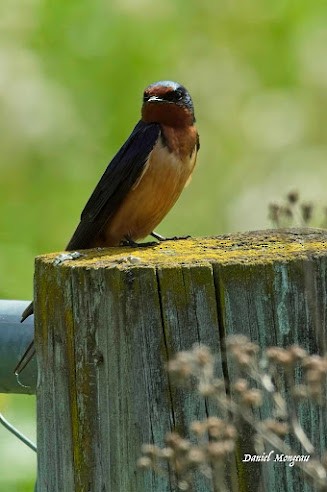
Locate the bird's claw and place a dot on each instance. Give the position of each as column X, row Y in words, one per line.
column 129, row 242
column 176, row 238
column 161, row 238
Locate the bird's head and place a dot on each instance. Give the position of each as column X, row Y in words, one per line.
column 168, row 103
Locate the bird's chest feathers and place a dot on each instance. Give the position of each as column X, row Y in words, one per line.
column 170, row 163
column 180, row 141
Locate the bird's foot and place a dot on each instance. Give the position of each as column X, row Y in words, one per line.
column 159, row 237
column 129, row 242
column 73, row 255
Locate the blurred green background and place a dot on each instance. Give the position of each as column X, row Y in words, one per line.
column 72, row 73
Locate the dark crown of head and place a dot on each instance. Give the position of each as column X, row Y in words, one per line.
column 170, row 92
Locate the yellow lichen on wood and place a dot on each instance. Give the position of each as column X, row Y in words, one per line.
column 250, row 248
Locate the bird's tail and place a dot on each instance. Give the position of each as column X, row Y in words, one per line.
column 27, row 356
column 27, row 312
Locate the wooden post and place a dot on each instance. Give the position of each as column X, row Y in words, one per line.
column 106, row 325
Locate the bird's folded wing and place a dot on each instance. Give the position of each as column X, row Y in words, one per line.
column 118, row 179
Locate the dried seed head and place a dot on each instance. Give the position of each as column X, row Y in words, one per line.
column 236, row 341
column 202, row 355
column 300, row 392
column 199, row 428
column 215, row 421
column 215, row 427
column 274, row 211
column 242, row 349
column 251, row 348
column 279, row 428
column 307, row 210
column 167, row 453
column 184, row 446
column 240, row 343
column 242, row 358
column 241, row 385
column 206, row 389
column 196, row 456
column 173, row 439
column 297, row 352
column 219, row 449
column 252, row 397
column 314, row 376
column 177, row 443
column 150, row 449
column 183, row 485
column 280, row 355
column 218, row 384
column 230, row 432
column 144, row 462
column 315, row 390
column 293, row 196
column 315, row 362
column 229, row 446
column 181, row 367
column 216, row 450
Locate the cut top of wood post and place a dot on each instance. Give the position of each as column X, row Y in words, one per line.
column 264, row 246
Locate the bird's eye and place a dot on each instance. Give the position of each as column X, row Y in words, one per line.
column 169, row 96
column 174, row 96
column 179, row 94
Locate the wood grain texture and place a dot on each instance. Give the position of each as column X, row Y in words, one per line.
column 107, row 324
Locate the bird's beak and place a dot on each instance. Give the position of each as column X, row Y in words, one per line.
column 154, row 99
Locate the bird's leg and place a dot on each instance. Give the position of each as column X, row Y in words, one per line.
column 159, row 237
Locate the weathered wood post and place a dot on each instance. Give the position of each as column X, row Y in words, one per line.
column 106, row 325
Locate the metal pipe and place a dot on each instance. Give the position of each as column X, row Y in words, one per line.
column 14, row 338
column 7, row 425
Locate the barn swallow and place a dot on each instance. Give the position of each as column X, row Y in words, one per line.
column 143, row 180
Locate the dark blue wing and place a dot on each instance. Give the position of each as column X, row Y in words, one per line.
column 117, row 180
